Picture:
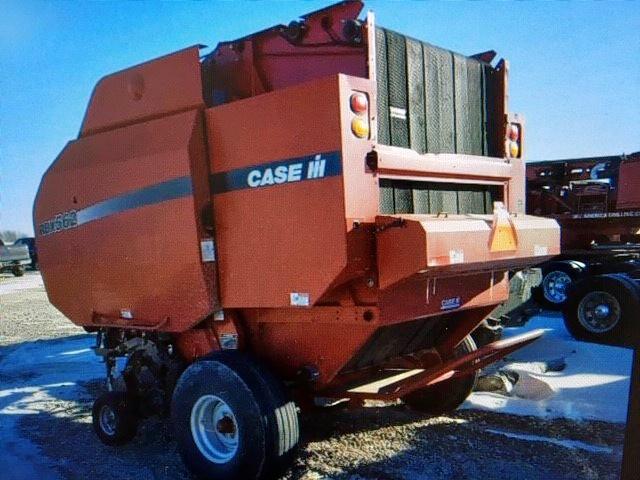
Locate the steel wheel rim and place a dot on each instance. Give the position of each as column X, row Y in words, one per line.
column 599, row 312
column 214, row 429
column 554, row 286
column 107, row 420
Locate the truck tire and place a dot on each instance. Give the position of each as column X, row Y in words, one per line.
column 601, row 308
column 114, row 418
column 557, row 278
column 445, row 396
column 18, row 270
column 231, row 421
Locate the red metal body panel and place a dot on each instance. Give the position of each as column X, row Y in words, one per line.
column 267, row 61
column 145, row 260
column 287, row 237
column 163, row 86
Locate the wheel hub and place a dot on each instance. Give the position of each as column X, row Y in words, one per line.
column 554, row 286
column 214, row 429
column 107, row 420
column 599, row 312
column 602, row 311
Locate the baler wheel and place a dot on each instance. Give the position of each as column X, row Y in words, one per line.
column 445, row 396
column 114, row 418
column 232, row 419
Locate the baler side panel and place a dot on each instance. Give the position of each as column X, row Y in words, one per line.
column 278, row 236
column 136, row 194
column 166, row 85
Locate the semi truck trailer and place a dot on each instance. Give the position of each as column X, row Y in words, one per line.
column 594, row 281
column 323, row 209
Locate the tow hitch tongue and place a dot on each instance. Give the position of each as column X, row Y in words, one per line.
column 399, row 384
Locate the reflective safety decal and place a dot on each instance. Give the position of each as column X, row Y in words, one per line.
column 503, row 238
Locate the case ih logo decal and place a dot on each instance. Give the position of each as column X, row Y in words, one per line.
column 450, row 303
column 311, row 167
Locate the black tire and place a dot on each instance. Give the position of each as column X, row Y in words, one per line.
column 279, row 409
column 267, row 423
column 541, row 295
column 122, row 425
column 618, row 293
column 18, row 271
column 446, row 396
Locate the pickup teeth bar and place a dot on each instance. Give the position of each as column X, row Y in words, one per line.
column 401, row 383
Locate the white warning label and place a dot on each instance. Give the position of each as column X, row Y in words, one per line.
column 299, row 299
column 208, row 250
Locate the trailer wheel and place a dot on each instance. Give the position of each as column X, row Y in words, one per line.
column 114, row 418
column 601, row 308
column 232, row 420
column 448, row 395
column 557, row 278
column 18, row 270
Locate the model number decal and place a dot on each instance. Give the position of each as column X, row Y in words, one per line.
column 450, row 303
column 62, row 221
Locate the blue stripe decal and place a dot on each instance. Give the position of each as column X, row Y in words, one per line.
column 310, row 167
column 151, row 195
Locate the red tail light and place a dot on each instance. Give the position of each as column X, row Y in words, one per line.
column 359, row 103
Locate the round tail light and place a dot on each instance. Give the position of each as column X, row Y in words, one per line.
column 514, row 132
column 359, row 103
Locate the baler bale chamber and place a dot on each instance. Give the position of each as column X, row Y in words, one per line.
column 327, row 206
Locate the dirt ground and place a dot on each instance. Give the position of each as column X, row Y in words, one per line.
column 49, row 377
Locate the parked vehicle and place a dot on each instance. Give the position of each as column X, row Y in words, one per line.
column 596, row 201
column 30, row 243
column 13, row 258
column 324, row 209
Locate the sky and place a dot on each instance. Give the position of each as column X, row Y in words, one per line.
column 575, row 67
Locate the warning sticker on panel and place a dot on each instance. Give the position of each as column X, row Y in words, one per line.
column 208, row 250
column 456, row 256
column 299, row 299
column 540, row 250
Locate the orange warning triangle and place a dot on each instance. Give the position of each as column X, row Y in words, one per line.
column 503, row 238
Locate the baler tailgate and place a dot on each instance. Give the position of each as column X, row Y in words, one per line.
column 413, row 244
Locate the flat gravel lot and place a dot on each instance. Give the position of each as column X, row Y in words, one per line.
column 49, row 377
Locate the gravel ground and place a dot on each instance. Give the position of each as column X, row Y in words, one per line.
column 371, row 443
